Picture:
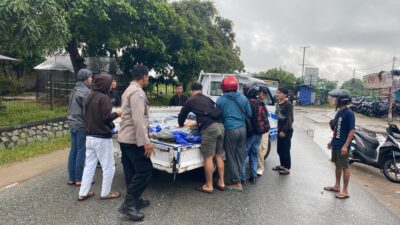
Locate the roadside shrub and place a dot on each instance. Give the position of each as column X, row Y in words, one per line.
column 11, row 87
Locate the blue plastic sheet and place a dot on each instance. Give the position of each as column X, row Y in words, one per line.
column 180, row 137
column 185, row 139
column 194, row 139
column 155, row 129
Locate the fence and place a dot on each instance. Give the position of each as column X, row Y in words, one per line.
column 51, row 90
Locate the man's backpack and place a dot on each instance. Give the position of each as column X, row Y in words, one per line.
column 260, row 120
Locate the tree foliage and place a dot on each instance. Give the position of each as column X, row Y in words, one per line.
column 207, row 41
column 176, row 39
column 354, row 85
column 327, row 84
column 286, row 79
column 30, row 30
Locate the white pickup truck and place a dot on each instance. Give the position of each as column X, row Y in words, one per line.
column 176, row 158
column 212, row 87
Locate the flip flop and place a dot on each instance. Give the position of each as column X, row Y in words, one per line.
column 83, row 198
column 331, row 189
column 201, row 189
column 341, row 197
column 219, row 187
column 81, row 184
column 112, row 195
column 71, row 182
column 284, row 172
column 232, row 189
column 278, row 168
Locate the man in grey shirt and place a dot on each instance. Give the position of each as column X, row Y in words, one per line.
column 76, row 122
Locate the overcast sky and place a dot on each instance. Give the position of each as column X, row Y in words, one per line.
column 341, row 34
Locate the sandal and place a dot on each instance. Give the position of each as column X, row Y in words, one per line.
column 71, row 182
column 217, row 186
column 201, row 189
column 278, row 168
column 232, row 189
column 342, row 197
column 284, row 172
column 81, row 183
column 83, row 198
column 331, row 189
column 112, row 195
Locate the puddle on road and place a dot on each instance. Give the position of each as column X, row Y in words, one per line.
column 321, row 137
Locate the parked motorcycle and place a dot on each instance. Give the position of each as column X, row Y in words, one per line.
column 382, row 153
column 379, row 109
column 356, row 103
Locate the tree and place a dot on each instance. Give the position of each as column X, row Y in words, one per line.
column 176, row 39
column 286, row 79
column 354, row 85
column 206, row 43
column 31, row 29
column 98, row 28
column 326, row 84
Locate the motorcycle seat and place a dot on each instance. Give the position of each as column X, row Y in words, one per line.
column 371, row 142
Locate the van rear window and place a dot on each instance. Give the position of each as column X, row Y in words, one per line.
column 216, row 90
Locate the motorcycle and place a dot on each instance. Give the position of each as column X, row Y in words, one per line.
column 382, row 153
column 378, row 109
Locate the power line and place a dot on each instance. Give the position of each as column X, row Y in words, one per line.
column 374, row 67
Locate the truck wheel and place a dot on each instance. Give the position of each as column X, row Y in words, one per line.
column 390, row 171
column 268, row 151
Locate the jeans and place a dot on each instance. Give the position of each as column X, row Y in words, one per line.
column 98, row 149
column 251, row 151
column 76, row 159
column 284, row 145
column 138, row 170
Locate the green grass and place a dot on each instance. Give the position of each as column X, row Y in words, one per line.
column 161, row 87
column 161, row 100
column 33, row 149
column 23, row 112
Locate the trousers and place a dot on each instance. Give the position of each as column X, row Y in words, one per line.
column 98, row 149
column 284, row 145
column 138, row 170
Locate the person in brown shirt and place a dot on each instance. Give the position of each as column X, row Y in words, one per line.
column 135, row 144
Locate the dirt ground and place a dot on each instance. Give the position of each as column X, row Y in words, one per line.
column 14, row 173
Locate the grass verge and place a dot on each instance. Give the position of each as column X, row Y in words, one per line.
column 161, row 100
column 24, row 112
column 33, row 149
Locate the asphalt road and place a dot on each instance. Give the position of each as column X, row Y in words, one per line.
column 294, row 199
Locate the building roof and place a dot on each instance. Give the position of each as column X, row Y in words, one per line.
column 6, row 58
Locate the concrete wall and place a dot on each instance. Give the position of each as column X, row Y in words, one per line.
column 39, row 131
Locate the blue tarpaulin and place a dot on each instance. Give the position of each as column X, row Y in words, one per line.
column 305, row 95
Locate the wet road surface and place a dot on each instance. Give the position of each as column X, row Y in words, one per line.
column 294, row 199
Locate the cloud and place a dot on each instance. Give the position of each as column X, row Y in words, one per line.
column 341, row 34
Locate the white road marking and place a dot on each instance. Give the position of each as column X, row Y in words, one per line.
column 8, row 186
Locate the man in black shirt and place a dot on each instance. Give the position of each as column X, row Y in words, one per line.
column 179, row 98
column 212, row 135
column 284, row 113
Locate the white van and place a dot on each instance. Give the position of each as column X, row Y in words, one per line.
column 212, row 87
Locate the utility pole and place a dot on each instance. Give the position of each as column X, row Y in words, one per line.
column 390, row 115
column 304, row 57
